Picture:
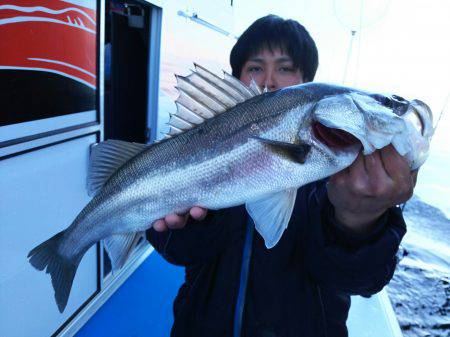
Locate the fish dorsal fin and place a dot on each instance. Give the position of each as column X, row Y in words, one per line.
column 203, row 95
column 106, row 158
column 271, row 215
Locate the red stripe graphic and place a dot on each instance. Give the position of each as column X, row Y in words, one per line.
column 51, row 36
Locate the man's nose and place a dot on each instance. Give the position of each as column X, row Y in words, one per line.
column 270, row 83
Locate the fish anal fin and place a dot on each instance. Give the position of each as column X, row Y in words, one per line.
column 271, row 215
column 119, row 248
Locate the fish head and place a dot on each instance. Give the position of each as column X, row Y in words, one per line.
column 343, row 122
column 414, row 144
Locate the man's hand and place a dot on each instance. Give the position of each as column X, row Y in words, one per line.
column 366, row 189
column 175, row 221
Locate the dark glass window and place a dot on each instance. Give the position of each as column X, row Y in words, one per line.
column 47, row 67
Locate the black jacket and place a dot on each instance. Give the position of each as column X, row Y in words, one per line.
column 300, row 287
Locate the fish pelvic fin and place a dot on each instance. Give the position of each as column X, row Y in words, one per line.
column 271, row 214
column 119, row 248
column 204, row 95
column 297, row 152
column 61, row 270
column 106, row 158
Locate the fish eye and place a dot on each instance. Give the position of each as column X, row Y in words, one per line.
column 384, row 100
column 397, row 104
column 399, row 99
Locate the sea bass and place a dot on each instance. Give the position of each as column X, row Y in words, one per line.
column 230, row 144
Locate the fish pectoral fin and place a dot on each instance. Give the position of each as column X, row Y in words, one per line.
column 120, row 246
column 298, row 152
column 106, row 158
column 271, row 214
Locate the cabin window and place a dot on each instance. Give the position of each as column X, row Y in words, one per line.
column 131, row 54
column 129, row 78
column 43, row 73
column 53, row 110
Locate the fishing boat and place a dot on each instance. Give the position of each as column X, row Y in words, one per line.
column 74, row 73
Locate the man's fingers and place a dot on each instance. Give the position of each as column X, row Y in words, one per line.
column 198, row 213
column 174, row 221
column 414, row 176
column 395, row 165
column 358, row 178
column 374, row 166
column 400, row 172
column 380, row 181
column 159, row 225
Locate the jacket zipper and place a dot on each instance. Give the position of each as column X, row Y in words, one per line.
column 246, row 255
column 322, row 309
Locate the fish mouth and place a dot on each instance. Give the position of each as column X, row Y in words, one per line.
column 333, row 138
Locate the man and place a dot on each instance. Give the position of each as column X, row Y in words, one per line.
column 341, row 239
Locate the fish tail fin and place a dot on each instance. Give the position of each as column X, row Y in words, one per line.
column 61, row 269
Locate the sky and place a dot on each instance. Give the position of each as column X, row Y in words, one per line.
column 400, row 47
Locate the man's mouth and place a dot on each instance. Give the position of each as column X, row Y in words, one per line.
column 333, row 138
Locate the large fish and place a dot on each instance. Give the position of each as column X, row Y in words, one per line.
column 228, row 145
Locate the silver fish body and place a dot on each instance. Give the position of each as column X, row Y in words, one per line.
column 249, row 154
column 218, row 164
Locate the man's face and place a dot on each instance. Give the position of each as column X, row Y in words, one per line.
column 271, row 70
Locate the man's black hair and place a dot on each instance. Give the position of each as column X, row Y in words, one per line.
column 273, row 32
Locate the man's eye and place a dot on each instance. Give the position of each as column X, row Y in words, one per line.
column 286, row 69
column 254, row 69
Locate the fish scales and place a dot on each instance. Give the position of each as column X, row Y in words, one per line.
column 162, row 158
column 216, row 138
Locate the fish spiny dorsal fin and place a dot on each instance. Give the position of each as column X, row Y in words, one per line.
column 188, row 115
column 255, row 87
column 173, row 131
column 195, row 106
column 213, row 90
column 246, row 91
column 106, row 158
column 204, row 95
column 181, row 123
column 230, row 89
column 187, row 85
